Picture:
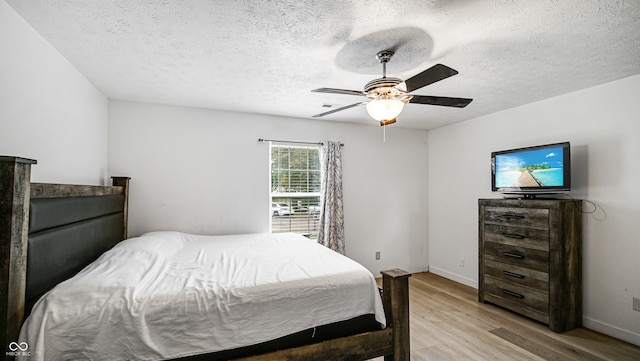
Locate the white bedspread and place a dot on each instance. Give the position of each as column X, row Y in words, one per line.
column 168, row 294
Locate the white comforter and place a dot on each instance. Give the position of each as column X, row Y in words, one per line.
column 168, row 294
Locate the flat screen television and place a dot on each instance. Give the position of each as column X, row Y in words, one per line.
column 541, row 169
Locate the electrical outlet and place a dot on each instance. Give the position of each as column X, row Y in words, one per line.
column 461, row 262
column 636, row 304
column 377, row 255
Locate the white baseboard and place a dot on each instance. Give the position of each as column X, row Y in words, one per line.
column 454, row 277
column 613, row 331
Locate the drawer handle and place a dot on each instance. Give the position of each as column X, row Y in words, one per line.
column 512, row 216
column 513, row 255
column 511, row 293
column 511, row 235
column 513, row 274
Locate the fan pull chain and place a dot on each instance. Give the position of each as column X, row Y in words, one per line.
column 384, row 134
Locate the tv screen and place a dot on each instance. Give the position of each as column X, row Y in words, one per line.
column 538, row 169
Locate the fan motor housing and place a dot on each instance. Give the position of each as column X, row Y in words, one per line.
column 381, row 82
column 387, row 88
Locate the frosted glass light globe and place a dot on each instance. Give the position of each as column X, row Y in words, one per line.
column 384, row 109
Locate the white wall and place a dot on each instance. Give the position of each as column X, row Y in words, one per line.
column 48, row 110
column 203, row 171
column 603, row 125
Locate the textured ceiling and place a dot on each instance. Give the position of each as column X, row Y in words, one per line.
column 265, row 56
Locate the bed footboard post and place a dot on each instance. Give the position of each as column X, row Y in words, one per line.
column 124, row 183
column 15, row 189
column 395, row 298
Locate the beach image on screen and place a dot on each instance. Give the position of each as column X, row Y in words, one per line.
column 533, row 168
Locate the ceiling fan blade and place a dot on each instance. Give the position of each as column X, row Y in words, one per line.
column 339, row 91
column 338, row 109
column 444, row 101
column 434, row 74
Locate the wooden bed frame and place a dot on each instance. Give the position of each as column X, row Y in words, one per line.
column 17, row 193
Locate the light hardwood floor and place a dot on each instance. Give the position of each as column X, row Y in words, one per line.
column 449, row 324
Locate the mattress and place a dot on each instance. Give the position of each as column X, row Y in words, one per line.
column 167, row 295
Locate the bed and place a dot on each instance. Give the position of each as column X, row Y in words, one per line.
column 51, row 232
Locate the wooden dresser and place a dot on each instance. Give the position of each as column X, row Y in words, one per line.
column 530, row 258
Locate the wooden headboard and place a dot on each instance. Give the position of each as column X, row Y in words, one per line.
column 49, row 232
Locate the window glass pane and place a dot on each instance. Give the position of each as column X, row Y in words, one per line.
column 314, row 160
column 299, row 158
column 296, row 214
column 314, row 181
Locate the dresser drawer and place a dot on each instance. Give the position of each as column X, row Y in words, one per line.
column 517, row 217
column 517, row 236
column 516, row 294
column 519, row 275
column 518, row 256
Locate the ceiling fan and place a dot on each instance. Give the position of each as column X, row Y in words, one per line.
column 389, row 95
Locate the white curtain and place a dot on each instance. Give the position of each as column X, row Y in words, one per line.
column 331, row 228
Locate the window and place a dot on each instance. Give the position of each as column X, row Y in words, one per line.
column 295, row 190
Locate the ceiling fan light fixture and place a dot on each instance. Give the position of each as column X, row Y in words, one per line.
column 384, row 109
column 388, row 95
